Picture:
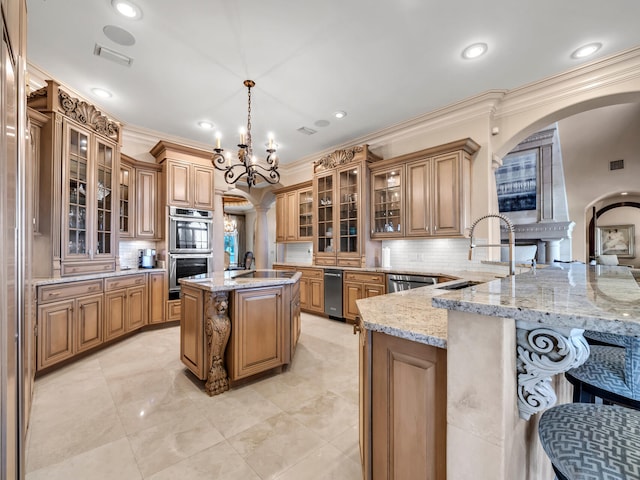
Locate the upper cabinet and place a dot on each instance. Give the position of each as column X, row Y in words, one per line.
column 294, row 213
column 141, row 205
column 79, row 189
column 341, row 205
column 425, row 193
column 189, row 175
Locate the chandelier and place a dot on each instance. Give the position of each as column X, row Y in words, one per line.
column 230, row 226
column 247, row 164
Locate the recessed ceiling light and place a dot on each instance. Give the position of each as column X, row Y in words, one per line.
column 624, row 193
column 586, row 50
column 205, row 125
column 340, row 114
column 474, row 51
column 101, row 92
column 128, row 9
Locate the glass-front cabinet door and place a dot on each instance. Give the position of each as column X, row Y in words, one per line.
column 387, row 202
column 104, row 196
column 77, row 213
column 88, row 205
column 305, row 214
column 348, row 191
column 126, row 194
column 324, row 207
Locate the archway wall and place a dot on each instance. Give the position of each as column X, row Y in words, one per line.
column 524, row 111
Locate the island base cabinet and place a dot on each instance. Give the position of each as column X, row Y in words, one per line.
column 408, row 409
column 258, row 333
column 192, row 338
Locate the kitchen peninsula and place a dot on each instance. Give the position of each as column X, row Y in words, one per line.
column 235, row 326
column 489, row 343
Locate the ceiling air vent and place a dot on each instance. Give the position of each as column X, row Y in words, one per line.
column 616, row 165
column 112, row 55
column 307, row 130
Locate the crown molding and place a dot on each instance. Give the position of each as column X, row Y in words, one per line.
column 597, row 75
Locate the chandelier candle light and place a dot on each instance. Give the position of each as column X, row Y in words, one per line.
column 247, row 163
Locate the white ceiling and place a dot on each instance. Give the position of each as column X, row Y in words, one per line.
column 381, row 61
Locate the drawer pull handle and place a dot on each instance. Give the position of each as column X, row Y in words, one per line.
column 54, row 294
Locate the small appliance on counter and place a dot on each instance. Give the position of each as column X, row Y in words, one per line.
column 147, row 258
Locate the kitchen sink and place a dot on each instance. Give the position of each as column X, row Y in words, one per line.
column 459, row 285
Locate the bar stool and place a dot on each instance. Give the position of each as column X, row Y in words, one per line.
column 611, row 373
column 592, row 442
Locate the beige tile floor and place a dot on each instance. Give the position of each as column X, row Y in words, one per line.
column 132, row 411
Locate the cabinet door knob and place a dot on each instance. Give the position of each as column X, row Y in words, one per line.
column 356, row 326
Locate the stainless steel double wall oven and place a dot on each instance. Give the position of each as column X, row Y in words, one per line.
column 190, row 253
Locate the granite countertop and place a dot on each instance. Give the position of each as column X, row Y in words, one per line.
column 456, row 274
column 222, row 281
column 575, row 295
column 37, row 282
column 408, row 315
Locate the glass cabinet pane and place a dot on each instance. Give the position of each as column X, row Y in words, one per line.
column 387, row 202
column 324, row 203
column 104, row 199
column 305, row 214
column 348, row 192
column 77, row 204
column 125, row 179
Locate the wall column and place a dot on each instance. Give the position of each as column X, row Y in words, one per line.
column 261, row 242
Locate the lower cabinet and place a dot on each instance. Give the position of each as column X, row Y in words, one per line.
column 70, row 320
column 312, row 289
column 157, row 296
column 126, row 304
column 77, row 316
column 258, row 335
column 296, row 323
column 192, row 326
column 357, row 285
column 403, row 401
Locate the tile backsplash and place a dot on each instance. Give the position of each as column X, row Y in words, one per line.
column 439, row 254
column 129, row 251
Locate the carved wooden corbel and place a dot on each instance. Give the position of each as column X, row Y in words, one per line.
column 217, row 329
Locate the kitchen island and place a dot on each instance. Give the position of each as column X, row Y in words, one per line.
column 491, row 338
column 235, row 326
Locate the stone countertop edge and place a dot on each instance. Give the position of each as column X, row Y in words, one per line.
column 218, row 282
column 37, row 282
column 456, row 274
column 408, row 315
column 599, row 298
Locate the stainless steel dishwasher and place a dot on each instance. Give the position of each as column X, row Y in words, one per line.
column 333, row 293
column 398, row 283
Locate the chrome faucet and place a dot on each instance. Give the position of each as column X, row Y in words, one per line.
column 512, row 242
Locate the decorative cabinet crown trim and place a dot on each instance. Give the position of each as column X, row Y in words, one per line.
column 87, row 114
column 52, row 98
column 339, row 157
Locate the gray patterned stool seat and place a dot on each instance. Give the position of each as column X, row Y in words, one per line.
column 592, row 442
column 611, row 373
column 605, row 338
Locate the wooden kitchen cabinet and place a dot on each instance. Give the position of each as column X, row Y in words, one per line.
column 126, row 304
column 192, row 337
column 89, row 322
column 403, row 419
column 69, row 320
column 387, row 202
column 79, row 185
column 311, row 289
column 341, row 203
column 294, row 213
column 423, row 194
column 257, row 342
column 296, row 320
column 357, row 285
column 157, row 296
column 127, row 210
column 189, row 175
column 141, row 207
